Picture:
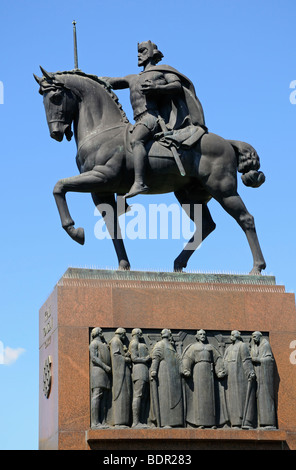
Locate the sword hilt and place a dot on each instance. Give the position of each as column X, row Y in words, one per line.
column 173, row 149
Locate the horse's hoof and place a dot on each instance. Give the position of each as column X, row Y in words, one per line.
column 124, row 266
column 80, row 238
column 255, row 272
column 77, row 234
column 178, row 269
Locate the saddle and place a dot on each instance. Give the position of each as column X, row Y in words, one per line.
column 162, row 142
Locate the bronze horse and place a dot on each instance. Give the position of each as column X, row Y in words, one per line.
column 101, row 131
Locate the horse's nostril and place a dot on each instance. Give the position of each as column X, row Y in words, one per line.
column 57, row 135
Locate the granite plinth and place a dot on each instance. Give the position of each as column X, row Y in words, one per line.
column 85, row 298
column 185, row 439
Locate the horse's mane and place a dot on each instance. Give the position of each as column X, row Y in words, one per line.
column 100, row 82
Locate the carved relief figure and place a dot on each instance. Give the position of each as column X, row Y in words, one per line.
column 121, row 373
column 141, row 360
column 183, row 380
column 100, row 378
column 200, row 361
column 240, row 391
column 263, row 361
column 166, row 385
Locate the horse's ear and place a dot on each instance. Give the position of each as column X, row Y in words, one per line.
column 47, row 75
column 38, row 80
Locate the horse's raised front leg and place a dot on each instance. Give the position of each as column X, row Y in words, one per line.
column 87, row 182
column 109, row 210
column 207, row 226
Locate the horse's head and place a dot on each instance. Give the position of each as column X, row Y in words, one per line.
column 60, row 105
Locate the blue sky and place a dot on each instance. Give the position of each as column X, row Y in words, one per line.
column 241, row 57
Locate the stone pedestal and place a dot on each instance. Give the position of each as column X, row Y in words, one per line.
column 84, row 299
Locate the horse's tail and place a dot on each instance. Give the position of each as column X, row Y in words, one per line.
column 248, row 163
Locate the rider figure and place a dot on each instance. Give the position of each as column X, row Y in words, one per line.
column 145, row 90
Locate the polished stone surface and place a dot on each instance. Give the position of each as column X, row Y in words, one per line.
column 83, row 299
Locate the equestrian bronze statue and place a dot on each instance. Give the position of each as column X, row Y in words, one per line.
column 167, row 149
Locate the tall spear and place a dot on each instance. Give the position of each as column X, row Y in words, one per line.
column 75, row 45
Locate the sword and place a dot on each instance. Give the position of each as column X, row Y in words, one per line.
column 173, row 149
column 247, row 402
